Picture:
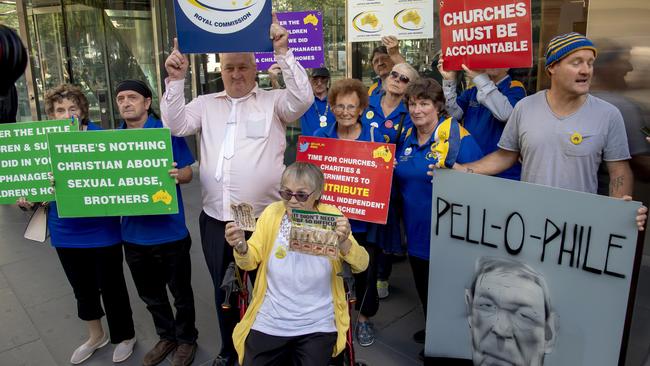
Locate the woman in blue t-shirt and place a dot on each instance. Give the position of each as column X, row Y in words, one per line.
column 434, row 139
column 348, row 98
column 90, row 251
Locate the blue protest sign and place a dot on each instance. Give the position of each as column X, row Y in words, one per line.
column 207, row 26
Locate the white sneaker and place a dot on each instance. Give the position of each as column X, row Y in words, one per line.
column 123, row 350
column 86, row 350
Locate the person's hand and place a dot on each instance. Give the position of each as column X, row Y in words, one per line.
column 641, row 214
column 391, row 43
column 279, row 36
column 24, row 204
column 274, row 71
column 235, row 238
column 472, row 73
column 173, row 172
column 343, row 231
column 176, row 64
column 447, row 75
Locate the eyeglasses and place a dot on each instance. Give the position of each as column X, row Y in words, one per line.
column 403, row 78
column 341, row 107
column 319, row 80
column 300, row 196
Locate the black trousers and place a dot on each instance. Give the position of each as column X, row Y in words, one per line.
column 218, row 254
column 96, row 273
column 365, row 283
column 313, row 349
column 420, row 269
column 156, row 267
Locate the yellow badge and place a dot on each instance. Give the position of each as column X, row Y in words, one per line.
column 370, row 114
column 576, row 138
column 442, row 134
column 280, row 253
column 323, row 124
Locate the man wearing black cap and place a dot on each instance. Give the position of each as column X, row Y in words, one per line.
column 319, row 114
column 157, row 247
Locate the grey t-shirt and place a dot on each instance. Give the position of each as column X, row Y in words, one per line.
column 565, row 152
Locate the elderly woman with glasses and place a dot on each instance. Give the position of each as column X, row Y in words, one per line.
column 299, row 313
column 389, row 114
column 348, row 98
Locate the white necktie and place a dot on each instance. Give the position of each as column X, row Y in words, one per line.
column 228, row 145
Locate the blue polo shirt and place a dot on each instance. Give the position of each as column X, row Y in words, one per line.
column 376, row 88
column 387, row 125
column 367, row 134
column 310, row 121
column 480, row 122
column 91, row 232
column 415, row 185
column 160, row 229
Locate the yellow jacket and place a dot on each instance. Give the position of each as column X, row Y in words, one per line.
column 260, row 246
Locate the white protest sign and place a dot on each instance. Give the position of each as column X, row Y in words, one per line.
column 369, row 20
column 528, row 274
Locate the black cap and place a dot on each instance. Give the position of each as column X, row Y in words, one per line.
column 321, row 71
column 135, row 85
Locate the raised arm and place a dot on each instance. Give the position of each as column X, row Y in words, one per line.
column 182, row 120
column 298, row 96
column 392, row 46
column 449, row 90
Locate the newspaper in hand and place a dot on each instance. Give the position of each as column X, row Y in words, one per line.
column 313, row 233
column 243, row 216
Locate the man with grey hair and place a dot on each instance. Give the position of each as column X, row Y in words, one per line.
column 509, row 314
column 242, row 148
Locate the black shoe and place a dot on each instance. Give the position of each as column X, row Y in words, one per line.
column 224, row 361
column 419, row 336
column 421, row 355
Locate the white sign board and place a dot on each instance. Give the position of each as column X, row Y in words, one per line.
column 369, row 20
column 527, row 274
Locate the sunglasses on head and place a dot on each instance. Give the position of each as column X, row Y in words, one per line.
column 300, row 196
column 403, row 78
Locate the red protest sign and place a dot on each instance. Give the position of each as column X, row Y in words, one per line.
column 358, row 175
column 485, row 34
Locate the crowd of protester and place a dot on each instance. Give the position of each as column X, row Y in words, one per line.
column 303, row 320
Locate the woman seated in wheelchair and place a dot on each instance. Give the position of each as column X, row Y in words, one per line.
column 299, row 314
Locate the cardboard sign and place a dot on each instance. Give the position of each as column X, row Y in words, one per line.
column 113, row 173
column 358, row 175
column 207, row 26
column 550, row 268
column 305, row 39
column 313, row 233
column 25, row 160
column 486, row 34
column 369, row 20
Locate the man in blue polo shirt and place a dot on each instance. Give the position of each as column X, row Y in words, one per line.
column 484, row 107
column 319, row 115
column 157, row 247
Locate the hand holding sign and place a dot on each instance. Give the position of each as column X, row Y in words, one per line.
column 472, row 73
column 176, row 64
column 279, row 36
column 447, row 75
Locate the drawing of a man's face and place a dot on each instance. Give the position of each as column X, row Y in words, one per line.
column 509, row 318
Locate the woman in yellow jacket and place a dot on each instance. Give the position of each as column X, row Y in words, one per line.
column 299, row 314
